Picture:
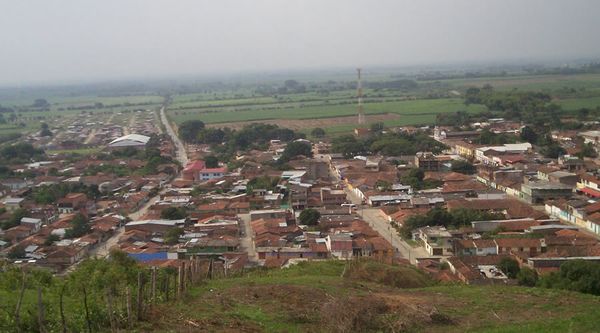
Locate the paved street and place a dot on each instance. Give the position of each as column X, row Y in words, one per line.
column 246, row 238
column 102, row 250
column 376, row 220
column 181, row 153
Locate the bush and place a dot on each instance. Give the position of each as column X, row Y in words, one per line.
column 527, row 277
column 510, row 267
column 173, row 213
column 309, row 217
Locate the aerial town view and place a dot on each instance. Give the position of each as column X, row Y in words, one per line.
column 300, row 166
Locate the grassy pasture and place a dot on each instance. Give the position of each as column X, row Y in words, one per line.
column 421, row 108
column 578, row 103
column 294, row 300
column 531, row 82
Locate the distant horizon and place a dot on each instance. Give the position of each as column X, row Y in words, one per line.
column 291, row 71
column 63, row 42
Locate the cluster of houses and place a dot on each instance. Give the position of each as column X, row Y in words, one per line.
column 249, row 211
column 550, row 207
column 41, row 200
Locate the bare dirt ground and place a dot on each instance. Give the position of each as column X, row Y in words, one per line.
column 298, row 124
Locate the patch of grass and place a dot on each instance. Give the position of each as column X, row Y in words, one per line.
column 81, row 151
column 579, row 103
column 300, row 298
column 418, row 111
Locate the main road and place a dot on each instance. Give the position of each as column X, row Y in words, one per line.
column 180, row 154
column 375, row 218
column 102, row 250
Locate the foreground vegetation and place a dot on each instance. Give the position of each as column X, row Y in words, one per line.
column 370, row 296
column 327, row 296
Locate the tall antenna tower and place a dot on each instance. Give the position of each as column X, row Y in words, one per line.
column 359, row 94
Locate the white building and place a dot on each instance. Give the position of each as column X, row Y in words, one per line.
column 130, row 140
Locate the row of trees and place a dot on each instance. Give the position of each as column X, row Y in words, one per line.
column 442, row 217
column 389, row 144
column 575, row 275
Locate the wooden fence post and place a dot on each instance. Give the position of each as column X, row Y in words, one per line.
column 41, row 319
column 19, row 302
column 62, row 308
column 109, row 302
column 140, row 295
column 128, row 300
column 180, row 281
column 167, row 286
column 87, row 311
column 153, row 284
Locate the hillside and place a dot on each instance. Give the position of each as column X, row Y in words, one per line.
column 370, row 296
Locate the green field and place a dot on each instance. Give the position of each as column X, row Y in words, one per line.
column 417, row 111
column 371, row 297
column 61, row 100
column 578, row 103
column 532, row 82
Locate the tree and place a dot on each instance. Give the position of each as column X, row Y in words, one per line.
column 44, row 130
column 211, row 135
column 211, row 161
column 318, row 132
column 40, row 103
column 510, row 267
column 527, row 277
column 587, row 150
column 173, row 213
column 528, row 134
column 297, row 148
column 172, row 235
column 377, row 127
column 463, row 167
column 309, row 216
column 577, row 275
column 416, row 173
column 79, row 227
column 22, row 150
column 16, row 252
column 15, row 219
column 190, row 129
column 553, row 150
column 348, row 145
column 51, row 239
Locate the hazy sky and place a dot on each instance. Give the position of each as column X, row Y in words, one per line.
column 60, row 40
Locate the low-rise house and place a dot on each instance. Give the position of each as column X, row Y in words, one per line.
column 331, row 197
column 269, row 214
column 12, row 204
column 475, row 247
column 427, row 161
column 589, row 185
column 436, row 240
column 531, row 246
column 154, row 226
column 72, row 202
column 592, row 137
column 540, row 191
column 339, row 245
column 64, row 256
column 33, row 223
column 197, row 171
